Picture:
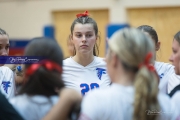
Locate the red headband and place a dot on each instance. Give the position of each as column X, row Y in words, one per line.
column 147, row 62
column 82, row 14
column 49, row 65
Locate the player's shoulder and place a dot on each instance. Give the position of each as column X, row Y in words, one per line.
column 19, row 102
column 99, row 61
column 27, row 106
column 67, row 60
column 98, row 93
column 175, row 100
column 176, row 96
column 18, row 98
column 163, row 97
column 5, row 69
column 163, row 100
column 24, row 101
column 168, row 109
column 114, row 92
column 164, row 66
column 114, row 89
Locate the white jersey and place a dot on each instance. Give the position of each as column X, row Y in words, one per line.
column 165, row 72
column 116, row 103
column 7, row 82
column 33, row 107
column 175, row 100
column 84, row 79
column 173, row 82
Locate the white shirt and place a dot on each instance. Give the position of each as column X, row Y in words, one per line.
column 116, row 103
column 167, row 75
column 173, row 82
column 33, row 108
column 84, row 79
column 7, row 83
column 176, row 100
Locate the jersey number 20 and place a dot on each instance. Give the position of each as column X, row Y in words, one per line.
column 85, row 87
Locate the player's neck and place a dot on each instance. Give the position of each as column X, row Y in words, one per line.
column 124, row 79
column 84, row 59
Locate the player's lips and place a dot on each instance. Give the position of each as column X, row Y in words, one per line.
column 83, row 46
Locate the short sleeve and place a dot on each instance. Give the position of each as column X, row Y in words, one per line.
column 7, row 82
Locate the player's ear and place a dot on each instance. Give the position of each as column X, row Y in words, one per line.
column 158, row 44
column 70, row 37
column 115, row 60
column 98, row 37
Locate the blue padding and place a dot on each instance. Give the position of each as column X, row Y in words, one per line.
column 15, row 43
column 49, row 31
column 113, row 28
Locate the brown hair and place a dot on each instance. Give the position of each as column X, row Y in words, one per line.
column 43, row 81
column 177, row 37
column 87, row 20
column 150, row 30
column 3, row 32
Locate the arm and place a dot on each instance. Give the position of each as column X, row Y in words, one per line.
column 68, row 99
column 8, row 83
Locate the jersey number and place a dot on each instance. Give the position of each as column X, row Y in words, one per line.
column 85, row 87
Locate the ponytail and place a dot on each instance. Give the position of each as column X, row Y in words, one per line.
column 146, row 92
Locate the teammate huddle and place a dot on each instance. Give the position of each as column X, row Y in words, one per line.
column 128, row 84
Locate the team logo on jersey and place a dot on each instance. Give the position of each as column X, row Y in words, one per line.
column 100, row 71
column 6, row 85
column 161, row 75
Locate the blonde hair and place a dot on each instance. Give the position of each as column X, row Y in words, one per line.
column 132, row 47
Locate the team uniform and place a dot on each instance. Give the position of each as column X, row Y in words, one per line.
column 7, row 83
column 33, row 107
column 116, row 103
column 175, row 97
column 167, row 75
column 173, row 82
column 175, row 100
column 84, row 79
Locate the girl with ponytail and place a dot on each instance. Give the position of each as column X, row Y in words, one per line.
column 42, row 80
column 133, row 94
column 166, row 73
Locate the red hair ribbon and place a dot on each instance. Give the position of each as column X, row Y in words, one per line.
column 82, row 14
column 147, row 62
column 148, row 65
column 49, row 65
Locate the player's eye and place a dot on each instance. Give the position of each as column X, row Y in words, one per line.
column 88, row 35
column 78, row 35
